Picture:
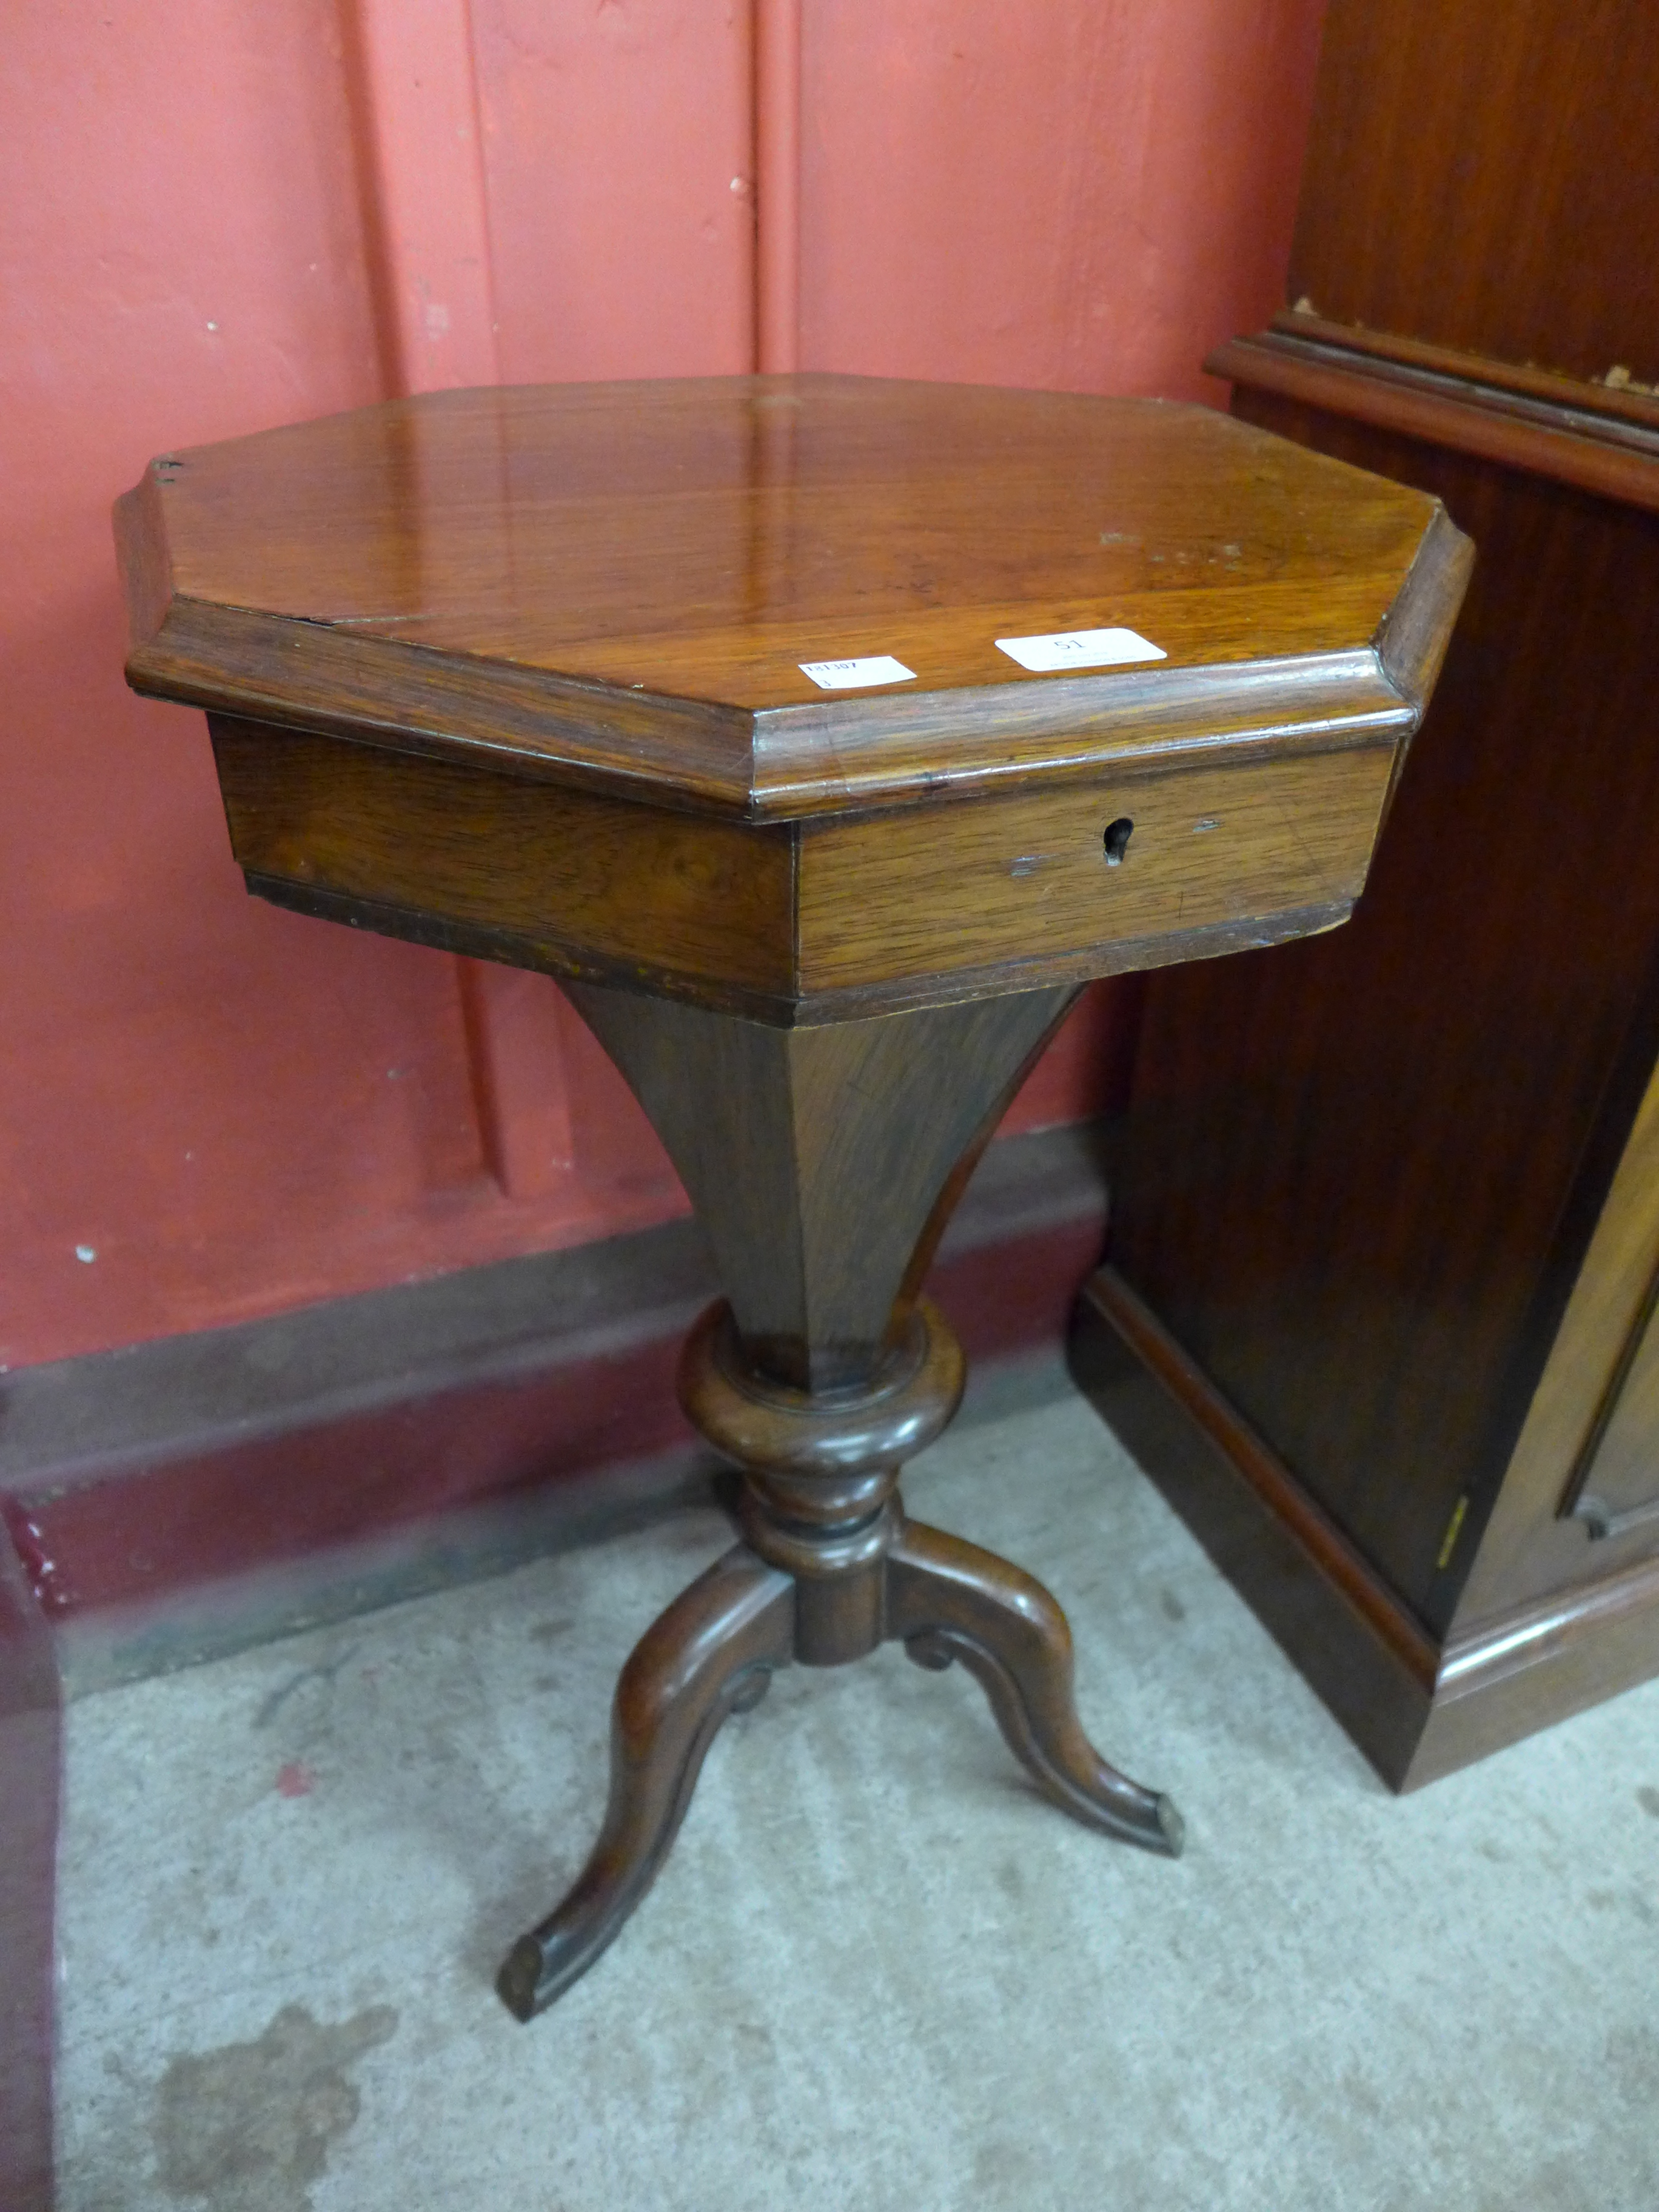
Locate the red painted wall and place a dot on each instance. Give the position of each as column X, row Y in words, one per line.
column 221, row 217
column 1083, row 195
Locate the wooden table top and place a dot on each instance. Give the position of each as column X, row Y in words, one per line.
column 617, row 587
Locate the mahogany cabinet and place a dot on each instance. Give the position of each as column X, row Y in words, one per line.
column 1378, row 1307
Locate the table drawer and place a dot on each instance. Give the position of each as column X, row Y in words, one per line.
column 535, row 865
column 969, row 884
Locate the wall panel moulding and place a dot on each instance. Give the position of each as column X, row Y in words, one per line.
column 197, row 1494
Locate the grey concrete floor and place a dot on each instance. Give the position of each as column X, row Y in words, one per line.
column 878, row 1974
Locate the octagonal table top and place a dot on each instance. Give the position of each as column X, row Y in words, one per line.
column 776, row 597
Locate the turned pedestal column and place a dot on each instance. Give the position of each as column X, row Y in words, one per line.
column 824, row 1164
column 822, row 735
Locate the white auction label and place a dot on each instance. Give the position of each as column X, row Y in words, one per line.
column 850, row 675
column 1080, row 648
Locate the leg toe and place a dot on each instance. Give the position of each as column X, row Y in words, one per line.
column 710, row 1655
column 949, row 1600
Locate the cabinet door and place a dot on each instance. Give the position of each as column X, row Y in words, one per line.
column 1586, row 1459
column 1616, row 1485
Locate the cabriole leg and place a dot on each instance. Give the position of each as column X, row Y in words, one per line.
column 949, row 1600
column 710, row 1654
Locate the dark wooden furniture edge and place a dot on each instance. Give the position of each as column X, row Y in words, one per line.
column 1607, row 401
column 1414, row 638
column 1369, row 1661
column 1418, row 1709
column 577, row 963
column 535, row 1395
column 31, row 1770
column 1582, row 442
column 1503, row 1678
column 758, row 766
column 1413, row 641
column 776, row 764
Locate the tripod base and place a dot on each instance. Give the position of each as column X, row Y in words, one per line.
column 713, row 1652
column 823, row 1163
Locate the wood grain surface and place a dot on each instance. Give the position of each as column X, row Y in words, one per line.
column 1477, row 178
column 639, row 890
column 1349, row 1161
column 619, row 583
column 1336, row 1618
column 796, row 924
column 1603, row 403
column 1574, row 433
column 1382, row 1191
column 520, row 671
column 820, row 1161
column 1419, row 1708
column 823, row 1164
column 888, row 897
column 1531, row 1548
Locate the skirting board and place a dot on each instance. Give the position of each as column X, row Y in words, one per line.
column 176, row 1500
column 1418, row 1709
column 30, row 1759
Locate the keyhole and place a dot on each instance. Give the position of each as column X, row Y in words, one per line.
column 1116, row 840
